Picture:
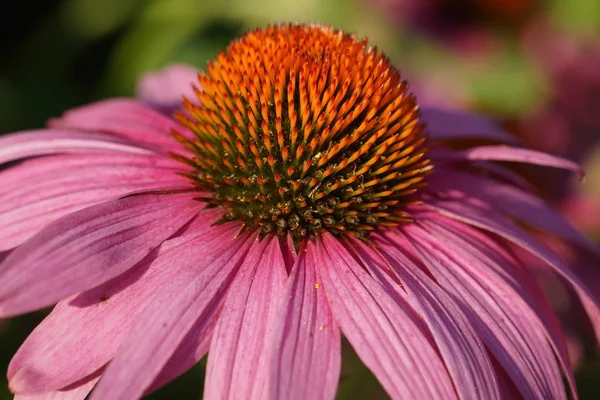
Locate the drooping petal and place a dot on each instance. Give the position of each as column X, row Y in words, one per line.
column 191, row 296
column 461, row 349
column 127, row 119
column 307, row 360
column 83, row 332
column 447, row 124
column 486, row 218
column 498, row 317
column 163, row 90
column 89, row 247
column 79, row 392
column 387, row 336
column 20, row 145
column 238, row 364
column 511, row 201
column 507, row 153
column 59, row 185
column 491, row 262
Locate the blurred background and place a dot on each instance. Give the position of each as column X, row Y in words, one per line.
column 533, row 65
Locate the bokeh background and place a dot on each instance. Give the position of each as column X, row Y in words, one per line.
column 532, row 65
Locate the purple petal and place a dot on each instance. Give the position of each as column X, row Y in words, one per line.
column 83, row 333
column 461, row 349
column 510, row 200
column 127, row 119
column 446, row 124
column 240, row 346
column 193, row 295
column 89, row 247
column 387, row 336
column 59, row 185
column 502, row 319
column 486, row 218
column 308, row 360
column 76, row 393
column 165, row 89
column 16, row 146
column 506, row 153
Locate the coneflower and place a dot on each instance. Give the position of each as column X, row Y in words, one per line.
column 299, row 195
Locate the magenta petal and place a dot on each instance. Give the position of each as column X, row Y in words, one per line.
column 89, row 247
column 165, row 89
column 307, row 362
column 503, row 321
column 83, row 333
column 461, row 349
column 488, row 219
column 127, row 119
column 507, row 153
column 16, row 146
column 511, row 201
column 446, row 124
column 238, row 360
column 60, row 185
column 192, row 295
column 76, row 393
column 387, row 336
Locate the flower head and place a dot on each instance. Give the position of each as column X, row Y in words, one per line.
column 292, row 139
column 292, row 200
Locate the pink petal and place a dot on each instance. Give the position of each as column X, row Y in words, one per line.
column 4, row 254
column 240, row 347
column 16, row 146
column 83, row 332
column 510, row 200
column 89, row 247
column 165, row 89
column 506, row 153
column 76, row 393
column 492, row 169
column 192, row 348
column 59, row 185
column 387, row 335
column 193, row 295
column 461, row 349
column 446, row 124
column 505, row 323
column 289, row 252
column 308, row 360
column 491, row 263
column 127, row 119
column 487, row 219
column 508, row 389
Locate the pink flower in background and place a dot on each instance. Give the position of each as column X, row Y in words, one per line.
column 467, row 26
column 296, row 204
column 568, row 124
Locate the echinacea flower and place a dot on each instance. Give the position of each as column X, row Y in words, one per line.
column 300, row 194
